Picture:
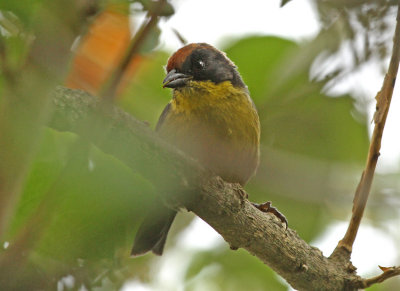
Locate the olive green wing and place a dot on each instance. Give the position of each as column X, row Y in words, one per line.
column 163, row 116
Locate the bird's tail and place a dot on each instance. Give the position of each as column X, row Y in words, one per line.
column 153, row 232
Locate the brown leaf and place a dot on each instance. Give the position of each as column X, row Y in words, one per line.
column 385, row 269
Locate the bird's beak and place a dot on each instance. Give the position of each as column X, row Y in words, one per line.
column 175, row 80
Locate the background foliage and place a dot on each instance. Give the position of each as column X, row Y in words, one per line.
column 76, row 208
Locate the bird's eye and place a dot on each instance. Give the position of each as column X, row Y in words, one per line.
column 200, row 65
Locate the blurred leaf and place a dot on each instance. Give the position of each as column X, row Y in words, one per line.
column 365, row 27
column 99, row 201
column 24, row 9
column 167, row 9
column 232, row 271
column 101, row 49
column 50, row 160
column 145, row 98
column 29, row 78
column 284, row 2
column 295, row 116
column 258, row 60
column 16, row 50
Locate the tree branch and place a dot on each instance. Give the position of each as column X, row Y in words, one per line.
column 387, row 273
column 383, row 98
column 220, row 204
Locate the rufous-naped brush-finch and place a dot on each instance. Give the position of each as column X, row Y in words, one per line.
column 212, row 118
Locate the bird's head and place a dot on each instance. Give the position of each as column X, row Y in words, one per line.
column 200, row 62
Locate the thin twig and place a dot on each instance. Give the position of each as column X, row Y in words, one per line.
column 389, row 273
column 182, row 40
column 383, row 103
column 111, row 85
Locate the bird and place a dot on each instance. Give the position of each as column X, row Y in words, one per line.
column 211, row 118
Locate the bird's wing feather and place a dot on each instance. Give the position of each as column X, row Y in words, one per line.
column 163, row 115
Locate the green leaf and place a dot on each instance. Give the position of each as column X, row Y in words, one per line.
column 233, row 270
column 303, row 131
column 97, row 201
column 145, row 98
column 284, row 2
column 296, row 115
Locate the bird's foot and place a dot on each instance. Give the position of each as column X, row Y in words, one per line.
column 240, row 193
column 266, row 207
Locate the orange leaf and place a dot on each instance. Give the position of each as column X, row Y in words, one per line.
column 100, row 51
